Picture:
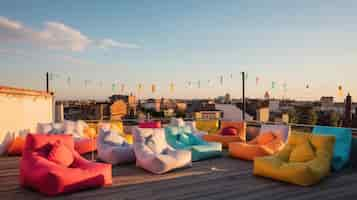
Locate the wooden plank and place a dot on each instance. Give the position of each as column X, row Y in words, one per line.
column 222, row 178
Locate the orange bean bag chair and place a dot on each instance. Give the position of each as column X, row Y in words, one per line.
column 229, row 132
column 85, row 145
column 263, row 145
column 16, row 147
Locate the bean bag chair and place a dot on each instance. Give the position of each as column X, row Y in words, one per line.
column 154, row 154
column 51, row 166
column 83, row 134
column 270, row 139
column 85, row 145
column 209, row 126
column 343, row 144
column 179, row 122
column 6, row 140
column 304, row 160
column 17, row 146
column 150, row 124
column 353, row 154
column 229, row 132
column 183, row 138
column 263, row 145
column 113, row 149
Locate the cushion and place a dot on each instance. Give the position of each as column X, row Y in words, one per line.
column 184, row 138
column 60, row 154
column 302, row 153
column 150, row 125
column 229, row 131
column 265, row 138
column 156, row 143
column 195, row 140
column 112, row 137
column 16, row 147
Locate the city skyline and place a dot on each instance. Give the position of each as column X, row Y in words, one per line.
column 307, row 46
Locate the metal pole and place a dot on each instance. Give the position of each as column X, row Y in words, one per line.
column 47, row 83
column 243, row 95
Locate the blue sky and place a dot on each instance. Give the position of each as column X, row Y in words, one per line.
column 159, row 42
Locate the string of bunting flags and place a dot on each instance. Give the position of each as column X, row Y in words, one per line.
column 122, row 87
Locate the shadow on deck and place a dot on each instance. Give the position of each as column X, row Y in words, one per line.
column 221, row 178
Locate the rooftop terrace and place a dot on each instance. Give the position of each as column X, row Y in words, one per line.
column 221, row 178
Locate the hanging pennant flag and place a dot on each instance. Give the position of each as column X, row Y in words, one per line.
column 69, row 81
column 153, row 88
column 199, row 84
column 86, row 83
column 100, row 83
column 221, row 80
column 266, row 95
column 122, row 88
column 172, row 87
column 50, row 77
column 273, row 85
column 284, row 86
column 140, row 87
column 113, row 87
column 257, row 80
column 340, row 91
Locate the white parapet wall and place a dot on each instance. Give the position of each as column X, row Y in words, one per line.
column 22, row 109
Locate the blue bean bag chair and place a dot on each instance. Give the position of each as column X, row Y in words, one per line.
column 342, row 146
column 183, row 138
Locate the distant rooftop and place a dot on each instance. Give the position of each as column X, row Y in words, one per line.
column 23, row 92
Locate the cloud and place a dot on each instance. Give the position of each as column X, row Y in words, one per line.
column 54, row 35
column 108, row 43
column 6, row 23
column 59, row 36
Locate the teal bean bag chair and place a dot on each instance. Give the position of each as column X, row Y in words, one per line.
column 183, row 138
column 343, row 144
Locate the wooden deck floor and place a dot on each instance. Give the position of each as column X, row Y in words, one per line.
column 221, row 178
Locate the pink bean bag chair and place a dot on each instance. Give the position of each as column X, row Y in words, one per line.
column 51, row 166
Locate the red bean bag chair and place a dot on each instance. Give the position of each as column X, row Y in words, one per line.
column 152, row 124
column 85, row 145
column 51, row 166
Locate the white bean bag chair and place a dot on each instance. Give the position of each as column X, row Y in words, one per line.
column 179, row 122
column 154, row 154
column 112, row 148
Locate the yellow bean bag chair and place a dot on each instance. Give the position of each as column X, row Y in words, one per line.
column 304, row 160
column 209, row 126
column 238, row 134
